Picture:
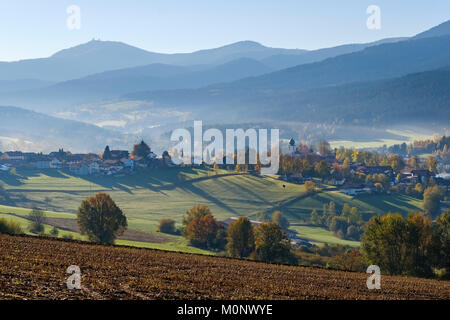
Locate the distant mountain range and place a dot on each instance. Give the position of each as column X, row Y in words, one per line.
column 384, row 61
column 100, row 56
column 388, row 81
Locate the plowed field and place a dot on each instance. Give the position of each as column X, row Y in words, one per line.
column 35, row 268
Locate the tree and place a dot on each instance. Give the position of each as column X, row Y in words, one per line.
column 346, row 167
column 419, row 245
column 432, row 197
column 167, row 226
column 384, row 243
column 378, row 186
column 54, row 232
column 101, row 219
column 240, row 238
column 418, row 188
column 413, row 162
column 280, row 219
column 441, row 243
column 396, row 162
column 272, row 245
column 331, row 208
column 141, row 150
column 204, row 232
column 322, row 169
column 310, row 187
column 315, row 218
column 339, row 226
column 9, row 226
column 323, row 147
column 432, row 164
column 197, row 211
column 355, row 215
column 346, row 210
column 351, row 260
column 37, row 218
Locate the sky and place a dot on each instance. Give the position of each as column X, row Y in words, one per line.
column 38, row 28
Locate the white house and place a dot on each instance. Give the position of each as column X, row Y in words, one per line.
column 55, row 164
column 94, row 168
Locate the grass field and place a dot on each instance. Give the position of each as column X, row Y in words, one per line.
column 35, row 268
column 151, row 195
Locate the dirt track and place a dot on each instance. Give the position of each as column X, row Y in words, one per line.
column 34, row 268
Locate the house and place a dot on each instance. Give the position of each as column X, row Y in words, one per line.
column 42, row 164
column 415, row 175
column 93, row 168
column 355, row 189
column 422, row 175
column 15, row 155
column 119, row 154
column 83, row 170
column 55, row 164
column 386, row 170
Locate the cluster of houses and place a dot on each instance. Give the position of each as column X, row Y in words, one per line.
column 115, row 162
column 403, row 179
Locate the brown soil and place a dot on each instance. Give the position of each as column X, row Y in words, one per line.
column 35, row 268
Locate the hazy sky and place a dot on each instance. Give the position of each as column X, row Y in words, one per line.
column 31, row 29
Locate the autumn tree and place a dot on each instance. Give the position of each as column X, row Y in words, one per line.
column 197, row 211
column 240, row 238
column 345, row 168
column 205, row 232
column 315, row 218
column 432, row 164
column 280, row 219
column 167, row 226
column 322, row 169
column 419, row 245
column 201, row 228
column 272, row 245
column 396, row 162
column 101, row 219
column 310, row 187
column 384, row 243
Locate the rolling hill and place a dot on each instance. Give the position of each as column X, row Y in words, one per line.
column 113, row 84
column 28, row 130
column 347, row 91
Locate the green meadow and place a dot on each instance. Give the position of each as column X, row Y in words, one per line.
column 151, row 195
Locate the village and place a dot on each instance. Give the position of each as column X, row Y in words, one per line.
column 108, row 163
column 358, row 177
column 349, row 177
